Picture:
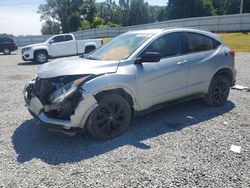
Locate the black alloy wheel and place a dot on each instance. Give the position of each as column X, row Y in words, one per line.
column 219, row 91
column 111, row 118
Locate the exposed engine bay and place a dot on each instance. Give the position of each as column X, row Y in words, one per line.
column 44, row 90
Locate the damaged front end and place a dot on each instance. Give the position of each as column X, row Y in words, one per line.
column 60, row 101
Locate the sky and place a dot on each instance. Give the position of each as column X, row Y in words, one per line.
column 19, row 17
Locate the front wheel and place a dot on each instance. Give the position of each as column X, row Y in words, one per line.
column 218, row 91
column 111, row 118
column 6, row 51
column 41, row 57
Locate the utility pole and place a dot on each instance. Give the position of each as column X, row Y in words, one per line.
column 241, row 6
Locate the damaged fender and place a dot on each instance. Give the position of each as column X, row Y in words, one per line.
column 83, row 110
column 78, row 119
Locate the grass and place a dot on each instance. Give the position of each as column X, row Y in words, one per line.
column 239, row 42
column 105, row 40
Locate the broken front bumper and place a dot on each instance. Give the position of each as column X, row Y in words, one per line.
column 77, row 120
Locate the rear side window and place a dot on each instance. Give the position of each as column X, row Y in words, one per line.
column 68, row 37
column 58, row 39
column 198, row 42
column 167, row 45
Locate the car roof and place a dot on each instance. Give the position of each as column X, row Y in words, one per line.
column 175, row 29
column 146, row 31
column 2, row 37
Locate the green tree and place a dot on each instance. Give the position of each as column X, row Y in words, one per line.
column 110, row 12
column 50, row 28
column 139, row 12
column 88, row 10
column 189, row 8
column 69, row 13
column 98, row 22
column 84, row 25
column 157, row 13
column 125, row 6
column 60, row 11
column 74, row 21
column 230, row 6
column 219, row 6
column 246, row 6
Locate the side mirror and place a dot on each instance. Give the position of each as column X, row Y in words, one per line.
column 149, row 57
column 51, row 41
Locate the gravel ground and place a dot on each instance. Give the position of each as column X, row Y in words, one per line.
column 186, row 145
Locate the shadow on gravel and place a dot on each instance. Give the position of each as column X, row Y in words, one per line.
column 33, row 141
column 8, row 55
column 27, row 63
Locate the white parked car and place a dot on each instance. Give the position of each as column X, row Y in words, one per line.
column 59, row 46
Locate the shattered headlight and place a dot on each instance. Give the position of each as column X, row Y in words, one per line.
column 67, row 90
column 32, row 81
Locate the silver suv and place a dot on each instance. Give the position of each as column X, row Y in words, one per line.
column 133, row 72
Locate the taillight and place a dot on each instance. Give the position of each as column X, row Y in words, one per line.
column 232, row 53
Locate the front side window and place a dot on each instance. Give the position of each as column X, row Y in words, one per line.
column 198, row 42
column 121, row 47
column 167, row 45
column 58, row 39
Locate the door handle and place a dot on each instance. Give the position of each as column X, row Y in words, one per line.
column 182, row 62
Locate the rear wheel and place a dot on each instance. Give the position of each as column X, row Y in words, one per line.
column 89, row 49
column 6, row 51
column 218, row 91
column 41, row 57
column 111, row 118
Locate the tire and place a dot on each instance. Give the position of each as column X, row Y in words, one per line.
column 218, row 91
column 89, row 49
column 41, row 57
column 6, row 51
column 111, row 118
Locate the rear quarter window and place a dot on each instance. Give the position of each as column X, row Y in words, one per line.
column 198, row 42
column 216, row 44
column 68, row 37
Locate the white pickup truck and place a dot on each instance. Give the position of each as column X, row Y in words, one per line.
column 59, row 46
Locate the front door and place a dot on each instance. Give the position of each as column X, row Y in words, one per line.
column 165, row 80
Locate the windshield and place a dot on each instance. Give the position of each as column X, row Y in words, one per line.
column 120, row 47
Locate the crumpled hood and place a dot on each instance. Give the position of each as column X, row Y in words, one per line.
column 76, row 66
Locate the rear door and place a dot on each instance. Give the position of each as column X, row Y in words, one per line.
column 165, row 80
column 201, row 53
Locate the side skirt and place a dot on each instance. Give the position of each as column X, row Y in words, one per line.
column 169, row 103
